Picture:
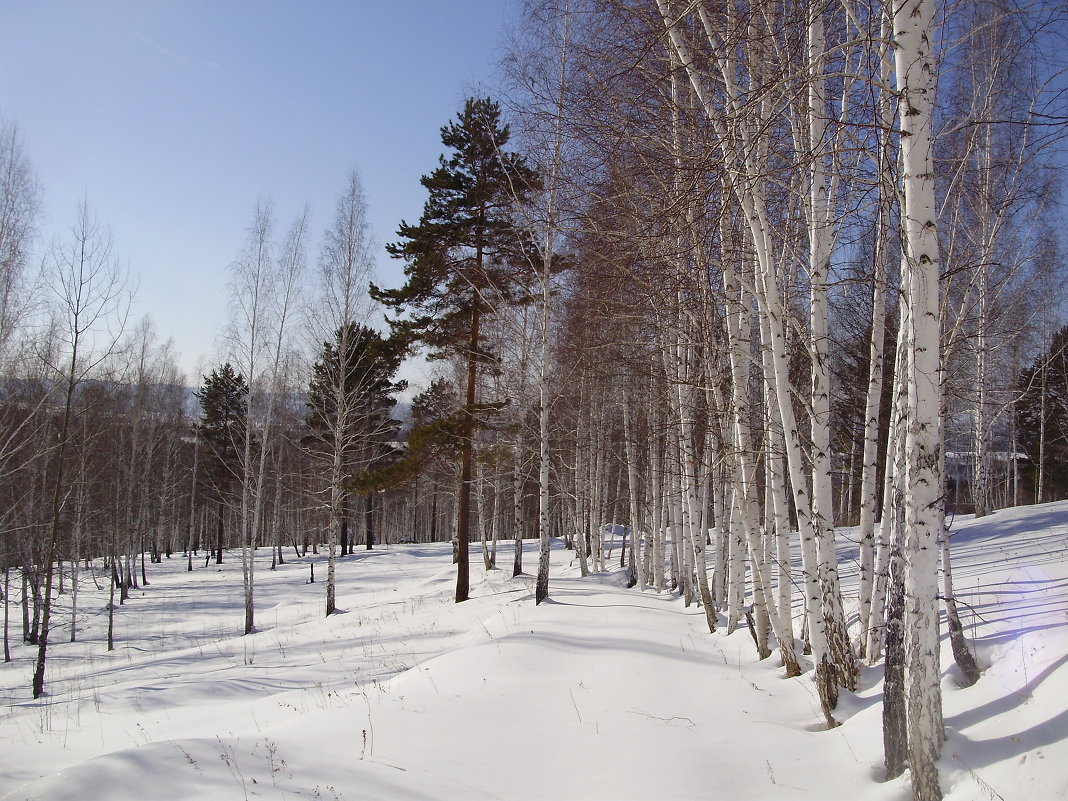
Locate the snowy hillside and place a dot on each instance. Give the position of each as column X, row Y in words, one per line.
column 602, row 693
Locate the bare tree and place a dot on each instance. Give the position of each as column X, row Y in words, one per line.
column 341, row 308
column 92, row 303
column 265, row 282
column 19, row 206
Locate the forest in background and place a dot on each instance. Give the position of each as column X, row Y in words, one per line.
column 683, row 277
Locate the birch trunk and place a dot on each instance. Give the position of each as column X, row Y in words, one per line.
column 545, row 278
column 657, row 525
column 822, row 188
column 962, row 654
column 743, row 157
column 637, row 574
column 913, row 24
column 869, row 485
column 892, row 488
column 895, row 717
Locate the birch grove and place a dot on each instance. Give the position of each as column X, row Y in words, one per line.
column 729, row 299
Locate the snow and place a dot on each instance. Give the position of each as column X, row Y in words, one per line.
column 601, row 693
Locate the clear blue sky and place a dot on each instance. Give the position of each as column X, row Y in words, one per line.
column 174, row 117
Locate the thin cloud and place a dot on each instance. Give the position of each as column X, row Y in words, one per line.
column 176, row 57
column 163, row 51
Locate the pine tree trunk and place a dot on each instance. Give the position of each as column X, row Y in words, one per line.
column 467, row 467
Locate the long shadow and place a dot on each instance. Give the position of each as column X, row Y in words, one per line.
column 1008, row 702
column 1028, row 559
column 1014, row 634
column 1000, row 749
column 1001, row 525
column 1043, row 586
column 588, row 642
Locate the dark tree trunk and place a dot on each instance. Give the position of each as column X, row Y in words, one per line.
column 369, row 520
column 467, row 468
column 895, row 726
column 25, row 608
column 7, row 612
column 219, row 536
column 111, row 609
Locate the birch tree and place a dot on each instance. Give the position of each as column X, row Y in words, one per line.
column 740, row 58
column 19, row 206
column 545, row 92
column 265, row 281
column 92, row 303
column 913, row 27
column 340, row 312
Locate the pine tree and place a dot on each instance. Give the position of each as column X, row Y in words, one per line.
column 1042, row 416
column 460, row 258
column 221, row 431
column 351, row 399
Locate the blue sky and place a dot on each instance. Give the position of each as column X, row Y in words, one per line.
column 174, row 118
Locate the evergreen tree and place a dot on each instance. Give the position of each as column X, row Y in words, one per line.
column 351, row 400
column 1042, row 416
column 434, row 403
column 460, row 261
column 221, row 431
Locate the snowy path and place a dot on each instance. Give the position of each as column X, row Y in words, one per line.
column 603, row 693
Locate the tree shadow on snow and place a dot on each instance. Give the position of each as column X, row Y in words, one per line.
column 1010, row 701
column 983, row 753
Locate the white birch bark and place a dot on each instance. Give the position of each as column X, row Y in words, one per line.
column 744, row 525
column 552, row 184
column 822, row 188
column 780, row 517
column 344, row 267
column 744, row 170
column 251, row 287
column 869, row 489
column 657, row 525
column 892, row 489
column 483, row 517
column 638, row 574
column 913, row 22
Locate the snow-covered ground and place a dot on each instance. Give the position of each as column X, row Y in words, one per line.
column 602, row 693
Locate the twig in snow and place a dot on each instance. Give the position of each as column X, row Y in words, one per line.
column 664, row 720
column 575, row 704
column 985, row 785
